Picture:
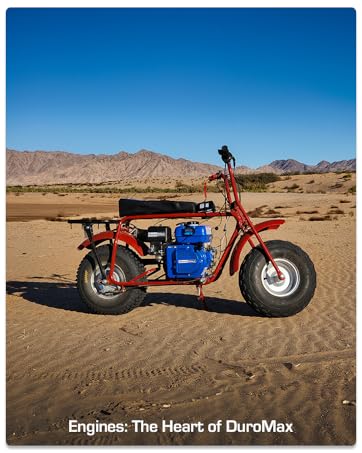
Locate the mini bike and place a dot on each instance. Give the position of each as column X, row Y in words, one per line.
column 277, row 278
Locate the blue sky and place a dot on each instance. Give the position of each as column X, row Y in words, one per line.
column 270, row 83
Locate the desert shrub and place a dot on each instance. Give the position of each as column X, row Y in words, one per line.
column 346, row 177
column 340, row 172
column 352, row 190
column 311, row 181
column 185, row 188
column 335, row 211
column 290, row 173
column 272, row 213
column 320, row 218
column 55, row 219
column 87, row 188
column 292, row 187
column 256, row 182
column 257, row 212
column 344, row 201
column 59, row 217
column 307, row 212
column 337, row 185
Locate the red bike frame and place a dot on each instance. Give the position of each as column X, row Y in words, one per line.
column 244, row 225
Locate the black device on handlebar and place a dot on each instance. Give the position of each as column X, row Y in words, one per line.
column 226, row 155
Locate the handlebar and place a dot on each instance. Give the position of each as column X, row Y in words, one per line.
column 226, row 155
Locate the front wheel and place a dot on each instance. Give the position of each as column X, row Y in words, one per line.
column 261, row 287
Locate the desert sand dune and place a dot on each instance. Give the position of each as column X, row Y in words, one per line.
column 171, row 358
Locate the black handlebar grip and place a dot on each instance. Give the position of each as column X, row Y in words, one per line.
column 226, row 155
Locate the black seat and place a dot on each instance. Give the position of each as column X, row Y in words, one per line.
column 140, row 207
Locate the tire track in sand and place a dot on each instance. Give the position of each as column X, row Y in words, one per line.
column 109, row 374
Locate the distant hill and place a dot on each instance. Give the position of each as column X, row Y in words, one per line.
column 293, row 166
column 57, row 167
column 42, row 167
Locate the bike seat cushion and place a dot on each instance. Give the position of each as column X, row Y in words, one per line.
column 128, row 207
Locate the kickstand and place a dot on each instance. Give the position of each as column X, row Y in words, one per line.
column 201, row 297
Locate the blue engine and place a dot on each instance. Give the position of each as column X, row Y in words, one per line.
column 190, row 256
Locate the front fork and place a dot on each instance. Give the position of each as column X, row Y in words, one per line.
column 267, row 253
column 244, row 220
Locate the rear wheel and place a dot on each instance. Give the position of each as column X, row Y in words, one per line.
column 261, row 287
column 104, row 298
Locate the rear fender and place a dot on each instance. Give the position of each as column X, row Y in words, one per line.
column 235, row 257
column 139, row 247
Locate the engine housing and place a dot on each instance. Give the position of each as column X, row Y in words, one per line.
column 191, row 255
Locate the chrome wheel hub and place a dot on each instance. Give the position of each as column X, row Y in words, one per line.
column 104, row 289
column 281, row 288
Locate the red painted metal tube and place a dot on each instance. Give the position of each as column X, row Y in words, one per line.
column 135, row 281
column 250, row 223
column 243, row 223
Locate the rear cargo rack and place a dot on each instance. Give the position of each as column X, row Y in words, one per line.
column 89, row 222
column 93, row 221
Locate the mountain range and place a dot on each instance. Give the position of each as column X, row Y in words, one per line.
column 58, row 167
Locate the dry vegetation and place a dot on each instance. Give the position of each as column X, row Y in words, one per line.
column 56, row 202
column 260, row 182
column 320, row 218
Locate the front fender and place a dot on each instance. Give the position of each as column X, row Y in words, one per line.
column 130, row 240
column 235, row 257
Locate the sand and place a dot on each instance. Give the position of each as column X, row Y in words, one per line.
column 170, row 358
